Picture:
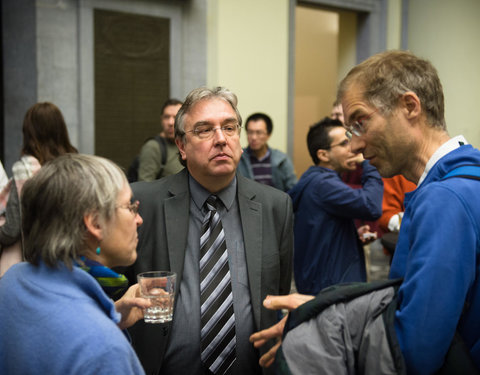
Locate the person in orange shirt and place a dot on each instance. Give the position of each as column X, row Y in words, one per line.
column 394, row 189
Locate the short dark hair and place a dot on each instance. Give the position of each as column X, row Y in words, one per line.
column 318, row 136
column 260, row 116
column 171, row 101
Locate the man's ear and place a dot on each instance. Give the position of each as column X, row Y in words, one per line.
column 181, row 147
column 411, row 105
column 93, row 226
column 323, row 155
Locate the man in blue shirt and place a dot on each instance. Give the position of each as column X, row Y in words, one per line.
column 328, row 248
column 394, row 110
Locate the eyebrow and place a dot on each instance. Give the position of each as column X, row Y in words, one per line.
column 352, row 116
column 228, row 120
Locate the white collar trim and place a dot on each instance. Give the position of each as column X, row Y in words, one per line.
column 450, row 145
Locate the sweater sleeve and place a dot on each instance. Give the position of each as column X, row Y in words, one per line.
column 339, row 199
column 150, row 162
column 10, row 231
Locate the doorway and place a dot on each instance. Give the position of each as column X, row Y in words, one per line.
column 325, row 49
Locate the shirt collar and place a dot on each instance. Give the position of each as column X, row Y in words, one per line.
column 443, row 150
column 200, row 194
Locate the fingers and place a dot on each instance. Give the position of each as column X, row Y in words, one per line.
column 132, row 291
column 261, row 337
column 268, row 358
column 142, row 303
column 290, row 302
column 363, row 229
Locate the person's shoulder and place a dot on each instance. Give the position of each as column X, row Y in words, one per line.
column 151, row 143
column 261, row 191
column 319, row 175
column 277, row 152
column 26, row 162
column 245, row 154
column 279, row 155
column 161, row 186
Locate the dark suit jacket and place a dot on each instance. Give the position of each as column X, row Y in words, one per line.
column 266, row 217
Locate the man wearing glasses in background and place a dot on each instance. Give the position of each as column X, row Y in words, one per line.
column 328, row 247
column 190, row 218
column 262, row 163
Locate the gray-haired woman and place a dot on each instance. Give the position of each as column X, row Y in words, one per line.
column 55, row 314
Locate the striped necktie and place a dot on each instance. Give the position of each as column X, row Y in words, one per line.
column 216, row 300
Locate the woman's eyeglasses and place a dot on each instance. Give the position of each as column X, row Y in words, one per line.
column 132, row 207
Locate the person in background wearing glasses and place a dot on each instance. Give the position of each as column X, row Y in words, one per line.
column 353, row 178
column 328, row 246
column 56, row 309
column 264, row 164
column 394, row 109
column 257, row 224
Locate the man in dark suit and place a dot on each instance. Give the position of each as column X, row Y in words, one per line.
column 257, row 228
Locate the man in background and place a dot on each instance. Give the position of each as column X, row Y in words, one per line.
column 328, row 247
column 262, row 163
column 353, row 178
column 159, row 156
column 337, row 111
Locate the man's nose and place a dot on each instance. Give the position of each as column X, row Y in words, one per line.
column 357, row 144
column 218, row 136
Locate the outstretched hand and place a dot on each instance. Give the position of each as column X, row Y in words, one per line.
column 289, row 302
column 131, row 306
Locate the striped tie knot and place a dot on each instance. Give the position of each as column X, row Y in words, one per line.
column 212, row 202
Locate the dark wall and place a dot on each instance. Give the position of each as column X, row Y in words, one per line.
column 19, row 65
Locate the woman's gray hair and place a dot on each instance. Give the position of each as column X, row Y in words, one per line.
column 203, row 93
column 56, row 199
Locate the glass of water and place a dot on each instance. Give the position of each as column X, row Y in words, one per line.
column 159, row 287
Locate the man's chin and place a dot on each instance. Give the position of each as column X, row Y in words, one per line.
column 350, row 167
column 385, row 170
column 223, row 168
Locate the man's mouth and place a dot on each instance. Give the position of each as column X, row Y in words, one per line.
column 221, row 156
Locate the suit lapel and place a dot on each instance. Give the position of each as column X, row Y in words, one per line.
column 177, row 215
column 251, row 217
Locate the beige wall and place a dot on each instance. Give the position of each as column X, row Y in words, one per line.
column 325, row 45
column 394, row 24
column 248, row 53
column 347, row 43
column 448, row 33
